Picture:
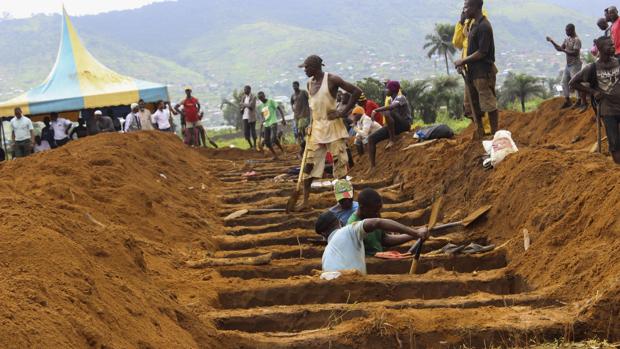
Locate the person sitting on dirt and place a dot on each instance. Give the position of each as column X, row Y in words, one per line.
column 345, row 245
column 363, row 126
column 270, row 110
column 398, row 120
column 370, row 205
column 369, row 105
column 346, row 206
column 603, row 77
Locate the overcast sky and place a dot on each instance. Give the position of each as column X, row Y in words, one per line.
column 25, row 8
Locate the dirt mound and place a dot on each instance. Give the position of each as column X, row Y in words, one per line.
column 566, row 197
column 92, row 235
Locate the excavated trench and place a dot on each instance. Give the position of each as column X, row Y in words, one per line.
column 456, row 300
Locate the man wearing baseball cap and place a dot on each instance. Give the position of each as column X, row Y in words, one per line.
column 345, row 246
column 328, row 132
column 343, row 189
column 369, row 105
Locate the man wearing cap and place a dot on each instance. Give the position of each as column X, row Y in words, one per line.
column 344, row 196
column 132, row 121
column 345, row 246
column 301, row 113
column 190, row 117
column 398, row 120
column 99, row 123
column 369, row 105
column 328, row 132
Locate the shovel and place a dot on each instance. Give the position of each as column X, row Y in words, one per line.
column 465, row 222
column 241, row 213
column 292, row 201
column 431, row 224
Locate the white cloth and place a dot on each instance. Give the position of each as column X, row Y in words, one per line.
column 365, row 127
column 45, row 145
column 246, row 111
column 60, row 127
column 21, row 128
column 345, row 249
column 145, row 120
column 161, row 118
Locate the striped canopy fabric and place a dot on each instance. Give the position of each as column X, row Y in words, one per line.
column 78, row 81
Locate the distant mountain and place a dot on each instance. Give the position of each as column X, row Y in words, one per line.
column 218, row 45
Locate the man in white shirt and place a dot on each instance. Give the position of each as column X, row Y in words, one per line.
column 145, row 116
column 248, row 114
column 22, row 134
column 161, row 117
column 132, row 121
column 61, row 127
column 345, row 246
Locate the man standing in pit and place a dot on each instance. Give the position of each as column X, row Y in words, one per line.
column 328, row 132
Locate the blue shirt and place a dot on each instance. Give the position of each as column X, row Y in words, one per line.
column 343, row 215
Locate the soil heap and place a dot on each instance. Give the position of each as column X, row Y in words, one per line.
column 91, row 239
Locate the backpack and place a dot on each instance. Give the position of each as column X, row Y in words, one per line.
column 435, row 132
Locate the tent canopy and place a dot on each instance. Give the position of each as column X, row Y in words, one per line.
column 78, row 81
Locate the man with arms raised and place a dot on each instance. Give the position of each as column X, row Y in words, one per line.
column 328, row 132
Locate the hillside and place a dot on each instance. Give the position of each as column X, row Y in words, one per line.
column 219, row 45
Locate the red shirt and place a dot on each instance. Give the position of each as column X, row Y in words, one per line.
column 370, row 106
column 615, row 35
column 190, row 109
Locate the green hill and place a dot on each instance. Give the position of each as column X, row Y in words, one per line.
column 219, row 45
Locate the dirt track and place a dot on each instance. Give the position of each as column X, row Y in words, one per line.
column 133, row 279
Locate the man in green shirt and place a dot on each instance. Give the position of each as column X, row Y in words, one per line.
column 270, row 110
column 370, row 205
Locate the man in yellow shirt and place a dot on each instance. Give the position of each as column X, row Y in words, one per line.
column 459, row 41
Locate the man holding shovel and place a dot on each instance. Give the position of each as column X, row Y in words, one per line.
column 327, row 132
column 480, row 67
column 603, row 77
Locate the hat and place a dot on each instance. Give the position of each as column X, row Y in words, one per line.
column 362, row 98
column 98, row 112
column 134, row 106
column 314, row 59
column 324, row 222
column 358, row 110
column 393, row 86
column 343, row 189
column 187, row 88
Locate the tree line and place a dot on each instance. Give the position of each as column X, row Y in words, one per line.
column 428, row 97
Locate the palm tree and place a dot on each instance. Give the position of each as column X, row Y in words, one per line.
column 440, row 42
column 521, row 86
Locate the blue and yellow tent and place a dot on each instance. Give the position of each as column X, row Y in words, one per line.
column 78, row 81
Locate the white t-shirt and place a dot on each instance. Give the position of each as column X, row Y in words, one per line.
column 21, row 128
column 60, row 128
column 365, row 127
column 161, row 118
column 246, row 111
column 345, row 249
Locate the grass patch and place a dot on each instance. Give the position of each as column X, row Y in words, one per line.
column 457, row 125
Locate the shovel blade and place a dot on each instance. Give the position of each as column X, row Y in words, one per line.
column 236, row 215
column 476, row 215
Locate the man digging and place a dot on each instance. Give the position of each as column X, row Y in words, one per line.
column 328, row 132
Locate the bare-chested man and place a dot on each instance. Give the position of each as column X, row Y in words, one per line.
column 328, row 132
